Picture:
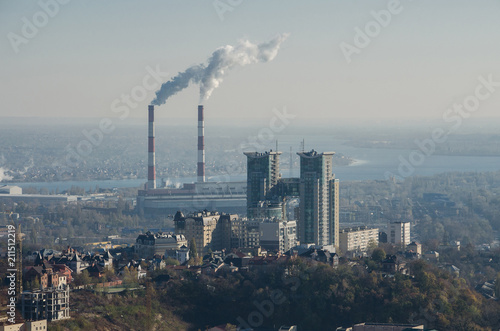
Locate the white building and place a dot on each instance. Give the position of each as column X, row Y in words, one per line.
column 6, row 189
column 182, row 254
column 357, row 238
column 399, row 233
column 25, row 326
column 278, row 235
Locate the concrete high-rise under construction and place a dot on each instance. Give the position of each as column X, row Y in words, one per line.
column 319, row 199
column 317, row 190
column 262, row 177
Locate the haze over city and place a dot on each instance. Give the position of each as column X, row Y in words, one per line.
column 250, row 165
column 428, row 56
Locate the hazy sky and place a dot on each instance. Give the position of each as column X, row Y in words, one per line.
column 90, row 53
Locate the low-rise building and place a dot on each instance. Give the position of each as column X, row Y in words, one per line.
column 414, row 247
column 321, row 255
column 431, row 256
column 393, row 264
column 163, row 244
column 386, row 327
column 25, row 326
column 357, row 238
column 8, row 189
column 277, row 235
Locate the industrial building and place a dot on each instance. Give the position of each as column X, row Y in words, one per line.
column 15, row 194
column 7, row 189
column 263, row 195
column 228, row 196
column 45, row 200
column 153, row 200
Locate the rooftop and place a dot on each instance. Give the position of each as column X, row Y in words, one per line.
column 313, row 154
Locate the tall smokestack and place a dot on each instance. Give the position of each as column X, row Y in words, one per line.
column 151, row 149
column 201, row 145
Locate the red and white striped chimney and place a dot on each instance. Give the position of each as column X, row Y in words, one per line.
column 201, row 145
column 151, row 149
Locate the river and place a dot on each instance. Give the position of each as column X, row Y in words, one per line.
column 370, row 164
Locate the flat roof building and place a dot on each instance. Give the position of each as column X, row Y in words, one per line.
column 7, row 189
column 277, row 235
column 399, row 233
column 210, row 230
column 357, row 238
column 262, row 177
column 150, row 244
column 319, row 199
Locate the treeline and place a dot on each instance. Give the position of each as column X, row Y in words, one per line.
column 312, row 296
column 43, row 225
column 319, row 298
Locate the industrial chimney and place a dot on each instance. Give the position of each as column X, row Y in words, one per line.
column 151, row 149
column 201, row 145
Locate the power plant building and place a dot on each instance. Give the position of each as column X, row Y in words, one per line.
column 153, row 200
column 229, row 197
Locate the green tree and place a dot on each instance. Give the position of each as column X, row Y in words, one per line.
column 83, row 278
column 171, row 261
column 193, row 252
column 378, row 254
column 372, row 245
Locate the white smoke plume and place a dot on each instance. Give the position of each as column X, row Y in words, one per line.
column 210, row 75
column 3, row 175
